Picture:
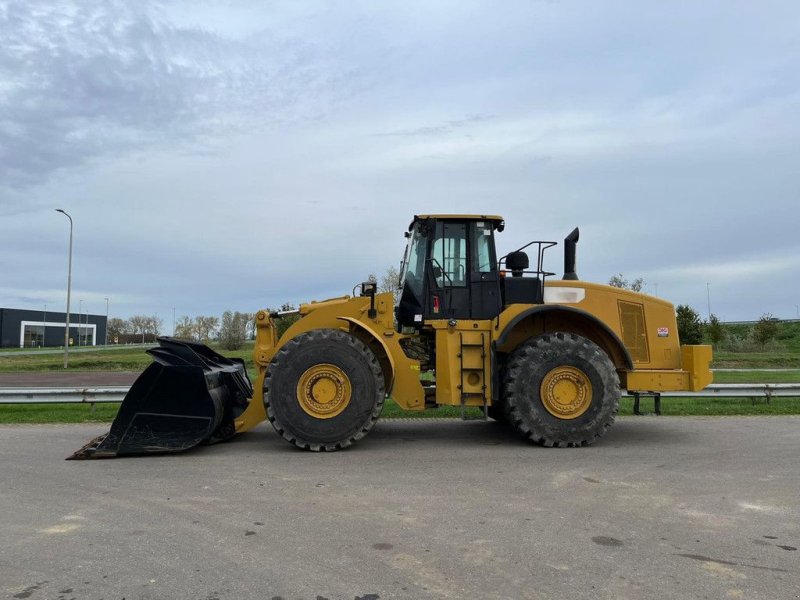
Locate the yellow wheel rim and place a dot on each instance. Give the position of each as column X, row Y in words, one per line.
column 324, row 391
column 566, row 392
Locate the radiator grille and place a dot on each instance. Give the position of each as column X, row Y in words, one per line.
column 634, row 335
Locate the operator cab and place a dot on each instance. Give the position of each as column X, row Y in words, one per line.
column 449, row 270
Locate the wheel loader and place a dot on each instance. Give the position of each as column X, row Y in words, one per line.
column 550, row 357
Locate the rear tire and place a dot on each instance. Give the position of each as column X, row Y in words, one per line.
column 324, row 390
column 561, row 389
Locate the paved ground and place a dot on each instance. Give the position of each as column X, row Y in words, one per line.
column 661, row 508
column 67, row 378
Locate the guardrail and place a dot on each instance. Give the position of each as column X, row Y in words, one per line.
column 754, row 391
column 92, row 395
column 58, row 395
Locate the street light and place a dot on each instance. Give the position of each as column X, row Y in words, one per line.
column 80, row 321
column 106, row 299
column 69, row 290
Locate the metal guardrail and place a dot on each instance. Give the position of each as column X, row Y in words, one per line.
column 58, row 395
column 92, row 395
column 741, row 390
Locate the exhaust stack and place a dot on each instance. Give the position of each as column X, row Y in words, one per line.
column 569, row 255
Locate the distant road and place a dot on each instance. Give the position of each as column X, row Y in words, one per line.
column 73, row 350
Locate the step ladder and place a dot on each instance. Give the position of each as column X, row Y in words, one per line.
column 472, row 357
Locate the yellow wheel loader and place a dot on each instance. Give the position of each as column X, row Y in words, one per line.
column 550, row 357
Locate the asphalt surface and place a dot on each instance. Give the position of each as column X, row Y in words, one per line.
column 660, row 508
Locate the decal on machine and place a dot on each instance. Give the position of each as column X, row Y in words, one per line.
column 663, row 332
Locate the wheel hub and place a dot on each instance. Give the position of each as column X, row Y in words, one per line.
column 324, row 391
column 566, row 392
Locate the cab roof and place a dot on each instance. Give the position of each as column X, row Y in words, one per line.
column 496, row 220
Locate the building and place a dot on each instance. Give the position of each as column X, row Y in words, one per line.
column 36, row 328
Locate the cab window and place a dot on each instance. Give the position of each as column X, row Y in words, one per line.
column 449, row 254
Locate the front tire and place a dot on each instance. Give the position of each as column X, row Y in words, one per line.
column 561, row 389
column 324, row 390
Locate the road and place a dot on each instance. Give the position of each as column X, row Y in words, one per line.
column 73, row 350
column 661, row 508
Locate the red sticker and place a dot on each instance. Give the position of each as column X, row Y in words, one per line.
column 663, row 332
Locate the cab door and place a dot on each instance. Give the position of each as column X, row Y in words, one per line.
column 485, row 301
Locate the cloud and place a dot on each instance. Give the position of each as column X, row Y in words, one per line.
column 97, row 79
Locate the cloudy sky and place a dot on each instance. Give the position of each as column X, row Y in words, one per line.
column 238, row 155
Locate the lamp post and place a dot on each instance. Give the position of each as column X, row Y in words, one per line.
column 80, row 321
column 106, row 299
column 69, row 290
column 708, row 298
column 44, row 325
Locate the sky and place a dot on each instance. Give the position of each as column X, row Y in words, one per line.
column 239, row 155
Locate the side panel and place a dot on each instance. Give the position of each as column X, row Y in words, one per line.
column 639, row 332
column 651, row 341
column 463, row 362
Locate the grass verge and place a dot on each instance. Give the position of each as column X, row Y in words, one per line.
column 792, row 376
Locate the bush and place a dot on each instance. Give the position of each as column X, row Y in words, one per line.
column 765, row 330
column 690, row 327
column 715, row 330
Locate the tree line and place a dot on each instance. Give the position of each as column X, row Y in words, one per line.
column 230, row 331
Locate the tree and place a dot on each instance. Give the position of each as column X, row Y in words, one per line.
column 205, row 327
column 619, row 281
column 690, row 327
column 233, row 331
column 116, row 327
column 250, row 328
column 137, row 323
column 716, row 332
column 390, row 281
column 765, row 330
column 185, row 328
column 152, row 325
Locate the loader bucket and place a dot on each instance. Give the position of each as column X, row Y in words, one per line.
column 189, row 395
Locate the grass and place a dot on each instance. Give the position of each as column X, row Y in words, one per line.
column 57, row 413
column 792, row 376
column 756, row 360
column 715, row 406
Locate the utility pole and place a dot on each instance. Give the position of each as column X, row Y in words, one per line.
column 44, row 325
column 69, row 290
column 106, row 299
column 173, row 321
column 708, row 298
